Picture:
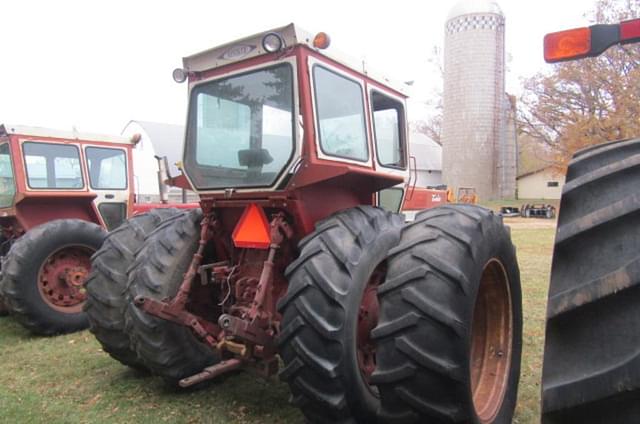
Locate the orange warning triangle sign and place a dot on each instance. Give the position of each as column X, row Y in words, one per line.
column 252, row 230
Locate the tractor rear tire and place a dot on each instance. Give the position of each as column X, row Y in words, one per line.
column 167, row 349
column 107, row 295
column 4, row 308
column 326, row 322
column 591, row 369
column 450, row 330
column 43, row 275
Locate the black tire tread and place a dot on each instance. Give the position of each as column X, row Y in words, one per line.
column 165, row 348
column 107, row 295
column 427, row 292
column 591, row 362
column 315, row 306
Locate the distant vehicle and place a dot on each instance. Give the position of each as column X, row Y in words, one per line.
column 538, row 210
column 60, row 192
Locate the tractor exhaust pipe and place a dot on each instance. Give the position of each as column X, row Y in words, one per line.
column 163, row 175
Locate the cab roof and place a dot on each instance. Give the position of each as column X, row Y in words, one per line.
column 292, row 35
column 23, row 130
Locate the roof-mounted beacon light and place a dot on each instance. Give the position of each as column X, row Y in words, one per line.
column 321, row 40
column 272, row 42
column 589, row 41
column 179, row 75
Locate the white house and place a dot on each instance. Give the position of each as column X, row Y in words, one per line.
column 543, row 183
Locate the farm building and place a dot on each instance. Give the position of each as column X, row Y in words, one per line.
column 428, row 156
column 157, row 140
column 543, row 183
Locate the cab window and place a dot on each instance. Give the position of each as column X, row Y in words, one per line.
column 340, row 110
column 390, row 199
column 388, row 124
column 107, row 168
column 52, row 166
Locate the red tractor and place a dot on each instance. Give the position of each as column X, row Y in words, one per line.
column 59, row 193
column 591, row 371
column 290, row 150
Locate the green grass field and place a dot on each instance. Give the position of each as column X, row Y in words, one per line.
column 68, row 379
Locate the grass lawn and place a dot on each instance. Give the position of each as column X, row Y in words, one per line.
column 68, row 379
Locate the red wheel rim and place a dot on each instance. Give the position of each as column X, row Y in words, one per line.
column 368, row 314
column 491, row 342
column 62, row 276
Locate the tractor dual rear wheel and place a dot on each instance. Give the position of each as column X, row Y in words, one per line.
column 591, row 366
column 43, row 275
column 449, row 335
column 107, row 295
column 329, row 311
column 169, row 350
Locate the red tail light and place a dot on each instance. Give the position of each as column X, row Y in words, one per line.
column 570, row 44
column 252, row 231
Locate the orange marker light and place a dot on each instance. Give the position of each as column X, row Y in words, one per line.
column 252, row 231
column 321, row 40
column 570, row 44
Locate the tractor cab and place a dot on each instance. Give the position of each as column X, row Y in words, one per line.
column 48, row 174
column 278, row 118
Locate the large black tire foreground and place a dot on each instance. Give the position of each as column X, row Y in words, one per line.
column 107, row 295
column 43, row 274
column 450, row 329
column 167, row 349
column 4, row 308
column 591, row 371
column 328, row 312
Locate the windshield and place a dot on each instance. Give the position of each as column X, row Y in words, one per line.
column 7, row 183
column 240, row 129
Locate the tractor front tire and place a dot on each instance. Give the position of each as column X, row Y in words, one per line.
column 169, row 350
column 107, row 295
column 329, row 311
column 450, row 330
column 591, row 366
column 44, row 272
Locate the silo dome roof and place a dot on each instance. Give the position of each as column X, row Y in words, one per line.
column 467, row 7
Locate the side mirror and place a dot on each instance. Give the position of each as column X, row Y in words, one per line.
column 253, row 158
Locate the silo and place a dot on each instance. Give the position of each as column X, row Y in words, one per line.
column 474, row 115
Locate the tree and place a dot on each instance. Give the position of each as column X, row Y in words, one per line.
column 585, row 102
column 432, row 125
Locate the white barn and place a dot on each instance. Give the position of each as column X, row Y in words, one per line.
column 428, row 156
column 157, row 139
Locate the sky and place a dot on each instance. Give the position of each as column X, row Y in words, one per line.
column 94, row 66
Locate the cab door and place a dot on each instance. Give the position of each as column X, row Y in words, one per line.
column 107, row 169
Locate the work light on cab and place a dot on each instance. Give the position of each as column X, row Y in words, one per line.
column 272, row 42
column 321, row 40
column 179, row 75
